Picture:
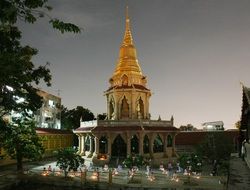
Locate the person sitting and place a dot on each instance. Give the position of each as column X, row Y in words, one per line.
column 147, row 170
column 151, row 177
column 90, row 166
column 161, row 167
column 105, row 167
column 115, row 172
column 185, row 172
column 165, row 172
column 174, row 176
column 135, row 169
column 49, row 168
column 179, row 169
column 119, row 168
column 170, row 167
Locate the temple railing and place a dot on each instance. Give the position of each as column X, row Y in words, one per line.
column 110, row 123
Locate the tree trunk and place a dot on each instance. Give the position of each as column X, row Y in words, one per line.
column 65, row 173
column 19, row 159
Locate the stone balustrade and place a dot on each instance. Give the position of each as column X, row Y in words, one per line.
column 111, row 123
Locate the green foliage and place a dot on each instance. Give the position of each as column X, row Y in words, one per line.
column 64, row 27
column 136, row 160
column 70, row 119
column 102, row 116
column 30, row 11
column 188, row 127
column 193, row 160
column 17, row 73
column 223, row 168
column 68, row 160
column 20, row 140
column 16, row 67
column 216, row 146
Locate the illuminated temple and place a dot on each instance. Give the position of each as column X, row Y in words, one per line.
column 128, row 129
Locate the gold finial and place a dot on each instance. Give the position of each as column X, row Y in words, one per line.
column 127, row 20
column 127, row 12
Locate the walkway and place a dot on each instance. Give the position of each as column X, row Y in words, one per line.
column 138, row 181
column 239, row 177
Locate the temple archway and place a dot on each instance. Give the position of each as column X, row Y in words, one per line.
column 146, row 144
column 103, row 145
column 119, row 147
column 134, row 145
column 158, row 144
column 124, row 109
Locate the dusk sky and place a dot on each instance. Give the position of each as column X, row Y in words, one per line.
column 193, row 52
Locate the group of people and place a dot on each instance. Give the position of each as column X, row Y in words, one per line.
column 49, row 171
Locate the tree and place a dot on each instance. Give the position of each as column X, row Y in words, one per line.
column 193, row 160
column 68, row 159
column 30, row 11
column 102, row 116
column 188, row 127
column 18, row 74
column 20, row 140
column 216, row 146
column 71, row 118
column 135, row 160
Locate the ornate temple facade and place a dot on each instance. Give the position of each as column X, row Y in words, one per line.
column 128, row 129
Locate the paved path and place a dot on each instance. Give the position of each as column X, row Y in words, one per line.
column 239, row 178
column 140, row 180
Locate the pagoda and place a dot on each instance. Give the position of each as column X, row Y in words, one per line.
column 127, row 129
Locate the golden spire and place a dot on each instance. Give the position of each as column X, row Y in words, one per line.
column 127, row 63
column 127, row 36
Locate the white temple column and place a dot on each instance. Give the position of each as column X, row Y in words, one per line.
column 141, row 143
column 165, row 144
column 173, row 146
column 96, row 146
column 83, row 145
column 128, row 144
column 151, row 145
column 79, row 144
column 91, row 144
column 109, row 144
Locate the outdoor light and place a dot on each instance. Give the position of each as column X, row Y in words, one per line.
column 94, row 175
column 72, row 175
column 102, row 158
column 45, row 173
column 57, row 173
